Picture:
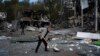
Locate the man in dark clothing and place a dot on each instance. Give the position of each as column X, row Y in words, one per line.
column 22, row 25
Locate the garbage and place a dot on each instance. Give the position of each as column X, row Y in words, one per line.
column 60, row 32
column 63, row 42
column 52, row 46
column 4, row 37
column 9, row 25
column 77, row 44
column 25, row 52
column 71, row 45
column 90, row 50
column 55, row 38
column 71, row 49
column 56, row 49
column 87, row 41
column 79, row 47
column 29, row 28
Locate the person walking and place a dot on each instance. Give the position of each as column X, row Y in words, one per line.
column 22, row 25
column 43, row 31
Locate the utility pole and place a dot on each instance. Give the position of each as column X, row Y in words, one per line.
column 75, row 9
column 61, row 11
column 82, row 22
column 82, row 18
column 50, row 7
column 75, row 16
column 96, row 15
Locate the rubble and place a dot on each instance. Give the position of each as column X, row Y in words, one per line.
column 29, row 28
column 56, row 49
column 4, row 37
column 57, row 46
column 71, row 45
column 71, row 49
column 54, row 39
column 87, row 41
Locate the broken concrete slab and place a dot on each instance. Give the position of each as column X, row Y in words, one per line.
column 84, row 35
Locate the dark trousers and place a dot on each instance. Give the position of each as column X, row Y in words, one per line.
column 22, row 32
column 23, row 25
column 39, row 43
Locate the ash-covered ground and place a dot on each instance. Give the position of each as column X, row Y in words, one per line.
column 15, row 44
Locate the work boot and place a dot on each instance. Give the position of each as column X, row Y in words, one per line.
column 46, row 49
column 36, row 51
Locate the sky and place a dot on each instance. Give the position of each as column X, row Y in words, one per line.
column 31, row 1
